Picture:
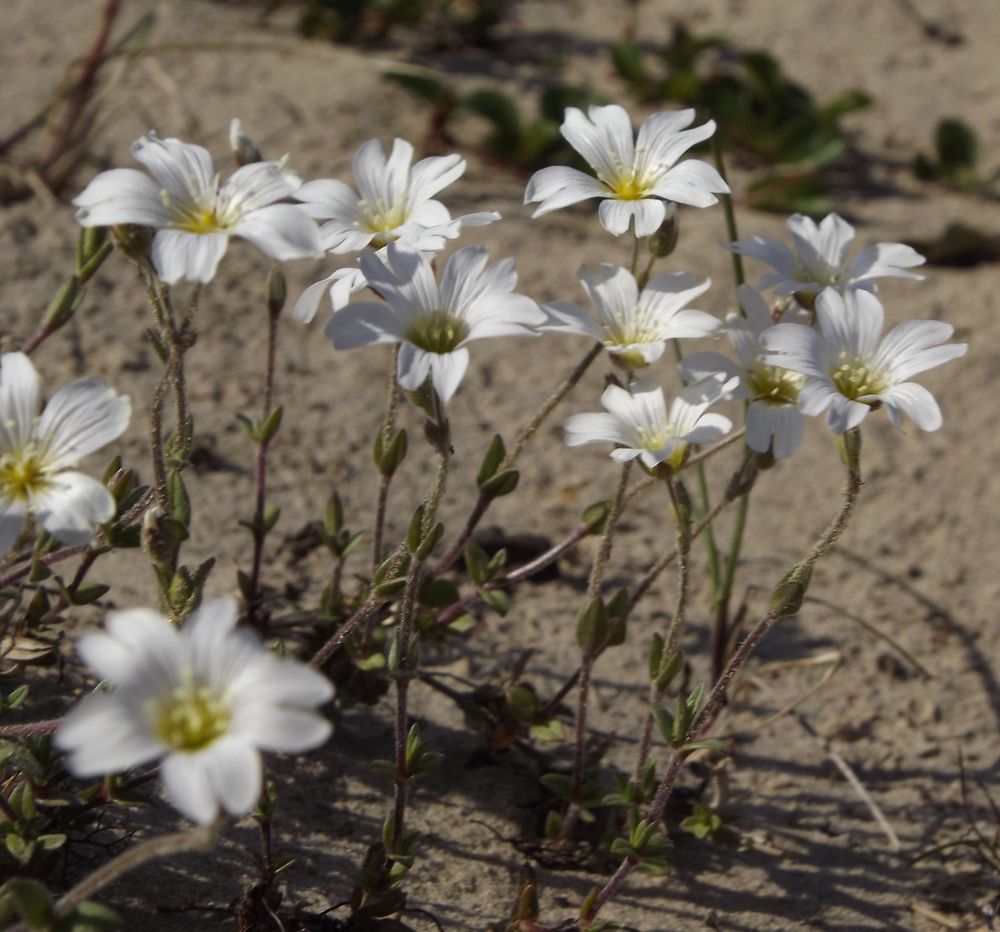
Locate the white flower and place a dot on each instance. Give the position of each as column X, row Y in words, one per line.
column 205, row 699
column 37, row 454
column 434, row 323
column 634, row 327
column 639, row 423
column 635, row 176
column 820, row 258
column 340, row 285
column 849, row 371
column 394, row 201
column 194, row 216
column 774, row 421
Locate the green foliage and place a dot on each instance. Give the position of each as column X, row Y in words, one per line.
column 761, row 112
column 449, row 22
column 522, row 142
column 956, row 157
column 706, row 822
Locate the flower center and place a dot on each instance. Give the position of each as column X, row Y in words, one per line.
column 773, row 385
column 630, row 185
column 857, row 379
column 192, row 718
column 22, row 475
column 382, row 219
column 208, row 214
column 437, row 331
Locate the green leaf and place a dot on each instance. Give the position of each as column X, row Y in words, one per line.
column 627, row 60
column 783, row 193
column 957, row 145
column 476, row 560
column 431, row 89
column 664, row 721
column 496, row 599
column 712, row 744
column 438, row 593
column 492, row 459
column 32, row 901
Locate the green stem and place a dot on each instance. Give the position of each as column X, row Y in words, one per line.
column 591, row 653
column 785, row 600
column 527, row 432
column 405, row 670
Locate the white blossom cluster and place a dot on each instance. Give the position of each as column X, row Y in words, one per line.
column 205, row 699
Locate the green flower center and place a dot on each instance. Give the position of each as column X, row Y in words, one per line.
column 856, row 378
column 382, row 219
column 773, row 385
column 22, row 475
column 437, row 331
column 192, row 718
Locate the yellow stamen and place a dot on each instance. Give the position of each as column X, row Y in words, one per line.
column 192, row 718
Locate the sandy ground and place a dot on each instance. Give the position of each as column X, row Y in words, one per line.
column 919, row 562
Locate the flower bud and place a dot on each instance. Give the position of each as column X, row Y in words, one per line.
column 663, row 242
column 242, row 145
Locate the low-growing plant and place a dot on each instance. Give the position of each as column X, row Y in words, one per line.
column 193, row 692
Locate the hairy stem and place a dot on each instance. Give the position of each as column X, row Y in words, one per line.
column 785, row 600
column 527, row 432
column 258, row 527
column 590, row 654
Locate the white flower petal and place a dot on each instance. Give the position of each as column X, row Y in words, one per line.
column 413, row 367
column 276, row 681
column 704, row 365
column 666, row 141
column 185, row 171
column 885, row 259
column 693, row 182
column 447, row 371
column 140, row 647
column 649, row 215
column 257, row 185
column 914, row 400
column 102, row 735
column 709, row 428
column 912, row 347
column 431, row 175
column 80, row 418
column 233, row 768
column 282, row 231
column 793, row 346
column 597, row 427
column 816, row 395
column 72, row 505
column 778, row 428
column 845, row 414
column 565, row 317
column 188, row 787
column 603, row 137
column 20, row 396
column 329, row 199
column 178, row 254
column 122, row 195
column 557, row 186
column 617, row 215
column 834, row 238
column 276, row 728
column 363, row 323
column 12, row 518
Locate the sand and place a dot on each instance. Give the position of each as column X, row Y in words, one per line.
column 918, row 563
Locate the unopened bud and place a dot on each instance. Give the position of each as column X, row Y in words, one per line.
column 242, row 145
column 277, row 291
column 663, row 242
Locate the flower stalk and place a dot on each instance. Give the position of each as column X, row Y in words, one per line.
column 786, row 599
